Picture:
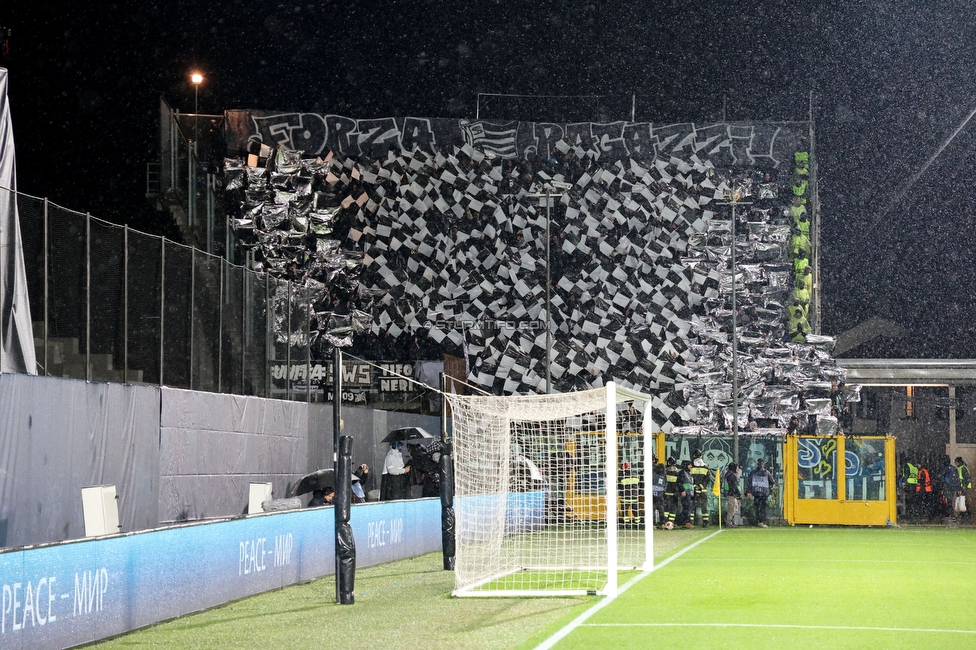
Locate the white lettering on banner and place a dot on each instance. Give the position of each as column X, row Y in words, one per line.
column 90, row 588
column 282, row 550
column 35, row 609
column 393, row 369
column 381, row 533
column 348, row 396
column 252, row 556
column 726, row 144
column 394, row 385
column 354, row 374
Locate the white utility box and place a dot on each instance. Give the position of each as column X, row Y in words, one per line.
column 259, row 493
column 101, row 507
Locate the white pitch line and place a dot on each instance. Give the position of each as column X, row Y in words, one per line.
column 830, row 561
column 582, row 618
column 853, row 628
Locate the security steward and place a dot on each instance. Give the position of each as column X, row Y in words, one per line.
column 924, row 494
column 671, row 499
column 911, row 486
column 630, row 490
column 700, row 476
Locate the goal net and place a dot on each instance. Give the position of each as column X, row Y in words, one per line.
column 552, row 492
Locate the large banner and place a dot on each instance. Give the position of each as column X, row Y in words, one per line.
column 64, row 595
column 16, row 332
column 725, row 144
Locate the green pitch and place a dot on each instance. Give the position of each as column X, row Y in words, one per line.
column 800, row 588
column 743, row 588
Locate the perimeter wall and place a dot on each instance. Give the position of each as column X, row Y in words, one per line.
column 174, row 455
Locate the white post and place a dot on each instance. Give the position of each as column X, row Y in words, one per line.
column 648, row 433
column 611, row 490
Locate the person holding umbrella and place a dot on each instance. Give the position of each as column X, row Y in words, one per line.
column 395, row 481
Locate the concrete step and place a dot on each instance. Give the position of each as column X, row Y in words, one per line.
column 98, row 361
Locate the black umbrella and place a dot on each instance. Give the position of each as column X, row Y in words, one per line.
column 407, row 434
column 318, row 480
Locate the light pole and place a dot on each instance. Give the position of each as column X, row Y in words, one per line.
column 549, row 195
column 734, row 198
column 197, row 79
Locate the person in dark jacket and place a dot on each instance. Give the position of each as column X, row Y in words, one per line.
column 759, row 486
column 366, row 480
column 659, row 483
column 732, row 493
column 686, row 488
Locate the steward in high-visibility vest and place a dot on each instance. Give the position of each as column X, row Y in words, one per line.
column 911, row 487
column 805, row 279
column 801, row 169
column 799, row 187
column 800, row 244
column 924, row 481
column 800, row 263
column 912, row 476
column 801, row 156
column 802, row 224
column 797, row 208
column 629, row 494
column 965, row 480
column 671, row 491
column 800, row 294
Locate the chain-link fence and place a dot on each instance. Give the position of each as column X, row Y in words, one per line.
column 109, row 303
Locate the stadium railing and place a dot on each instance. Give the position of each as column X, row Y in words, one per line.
column 109, row 303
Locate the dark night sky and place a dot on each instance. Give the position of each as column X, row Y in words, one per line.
column 891, row 81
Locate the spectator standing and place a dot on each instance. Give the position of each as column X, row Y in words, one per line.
column 758, row 487
column 732, row 493
column 659, row 481
column 686, row 487
column 395, row 474
column 950, row 488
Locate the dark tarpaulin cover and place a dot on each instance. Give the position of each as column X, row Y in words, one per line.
column 345, row 541
column 60, row 435
column 447, row 507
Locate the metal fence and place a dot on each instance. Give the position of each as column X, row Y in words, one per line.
column 109, row 303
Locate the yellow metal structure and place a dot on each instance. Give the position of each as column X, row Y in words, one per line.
column 859, row 490
column 585, row 489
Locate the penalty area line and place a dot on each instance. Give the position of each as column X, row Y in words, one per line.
column 849, row 628
column 585, row 616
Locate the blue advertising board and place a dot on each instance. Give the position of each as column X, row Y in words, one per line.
column 61, row 595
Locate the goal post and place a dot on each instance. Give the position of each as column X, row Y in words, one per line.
column 552, row 492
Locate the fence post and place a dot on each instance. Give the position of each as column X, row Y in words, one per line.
column 288, row 393
column 193, row 304
column 162, row 304
column 220, row 330
column 88, row 296
column 47, row 321
column 125, row 304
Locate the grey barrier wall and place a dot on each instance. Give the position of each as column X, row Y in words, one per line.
column 60, row 435
column 212, row 446
column 172, row 454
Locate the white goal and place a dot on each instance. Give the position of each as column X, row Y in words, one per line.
column 552, row 492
